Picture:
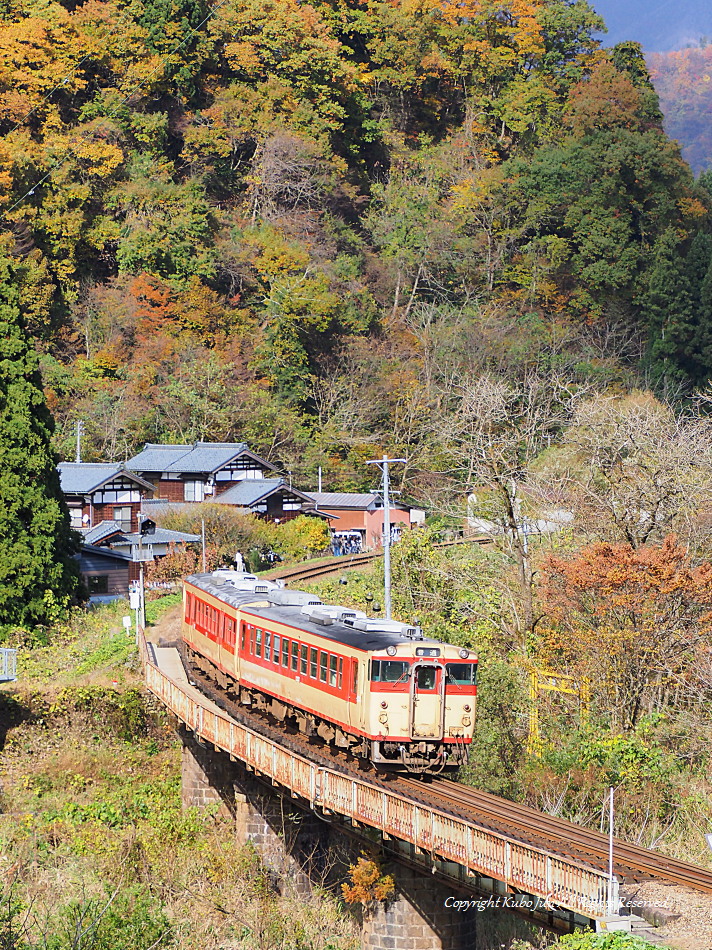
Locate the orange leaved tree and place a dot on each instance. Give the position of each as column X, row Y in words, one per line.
column 631, row 619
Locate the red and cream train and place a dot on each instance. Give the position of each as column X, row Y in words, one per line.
column 377, row 688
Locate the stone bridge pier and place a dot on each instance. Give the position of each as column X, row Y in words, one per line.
column 301, row 849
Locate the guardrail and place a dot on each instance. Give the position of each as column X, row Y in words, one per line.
column 555, row 879
column 8, row 665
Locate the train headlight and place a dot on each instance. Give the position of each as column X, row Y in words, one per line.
column 383, row 718
column 391, row 651
column 463, row 654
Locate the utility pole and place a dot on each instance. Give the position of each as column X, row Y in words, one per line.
column 611, row 908
column 202, row 538
column 80, row 433
column 383, row 465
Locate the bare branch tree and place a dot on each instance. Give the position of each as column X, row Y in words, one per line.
column 637, row 470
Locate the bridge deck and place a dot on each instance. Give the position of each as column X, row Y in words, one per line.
column 558, row 879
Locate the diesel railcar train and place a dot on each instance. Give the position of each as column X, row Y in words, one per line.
column 377, row 688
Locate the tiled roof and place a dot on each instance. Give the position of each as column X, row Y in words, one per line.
column 92, row 551
column 326, row 499
column 251, row 491
column 100, row 532
column 160, row 536
column 203, row 457
column 80, row 478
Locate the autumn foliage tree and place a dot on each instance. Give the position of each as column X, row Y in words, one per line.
column 631, row 619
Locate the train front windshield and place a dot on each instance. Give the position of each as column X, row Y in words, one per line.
column 461, row 674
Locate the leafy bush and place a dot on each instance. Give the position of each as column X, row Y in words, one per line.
column 124, row 920
column 612, row 941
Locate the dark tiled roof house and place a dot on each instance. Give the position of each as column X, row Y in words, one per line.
column 98, row 491
column 199, row 472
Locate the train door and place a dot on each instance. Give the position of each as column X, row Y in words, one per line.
column 427, row 701
column 355, row 693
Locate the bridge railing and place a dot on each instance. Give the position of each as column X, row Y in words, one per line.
column 8, row 665
column 554, row 878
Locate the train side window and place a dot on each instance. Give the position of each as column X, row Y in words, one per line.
column 354, row 678
column 268, row 643
column 388, row 671
column 303, row 662
column 285, row 653
column 323, row 666
column 275, row 648
column 313, row 663
column 332, row 671
column 341, row 672
column 295, row 656
column 258, row 642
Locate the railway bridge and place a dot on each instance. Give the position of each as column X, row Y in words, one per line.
column 452, row 844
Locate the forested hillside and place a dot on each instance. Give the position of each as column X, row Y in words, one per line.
column 683, row 80
column 299, row 224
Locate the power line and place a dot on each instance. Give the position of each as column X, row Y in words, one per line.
column 123, row 102
column 65, row 79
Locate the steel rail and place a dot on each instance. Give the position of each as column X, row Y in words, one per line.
column 632, row 862
column 367, row 800
column 521, row 827
column 308, row 572
column 631, row 856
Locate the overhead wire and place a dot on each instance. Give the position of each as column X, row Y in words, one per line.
column 123, row 102
column 65, row 79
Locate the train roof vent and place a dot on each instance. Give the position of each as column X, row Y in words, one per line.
column 234, row 577
column 292, row 598
column 336, row 612
column 258, row 587
column 317, row 615
column 371, row 625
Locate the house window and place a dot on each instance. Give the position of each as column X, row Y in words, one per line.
column 98, row 584
column 76, row 516
column 123, row 517
column 193, row 490
column 291, row 505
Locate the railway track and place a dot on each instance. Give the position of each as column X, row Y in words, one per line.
column 632, row 863
column 311, row 572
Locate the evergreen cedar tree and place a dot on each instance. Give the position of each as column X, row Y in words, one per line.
column 38, row 575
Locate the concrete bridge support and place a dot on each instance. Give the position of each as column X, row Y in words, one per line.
column 417, row 918
column 292, row 842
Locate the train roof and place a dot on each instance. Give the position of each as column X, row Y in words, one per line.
column 370, row 640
